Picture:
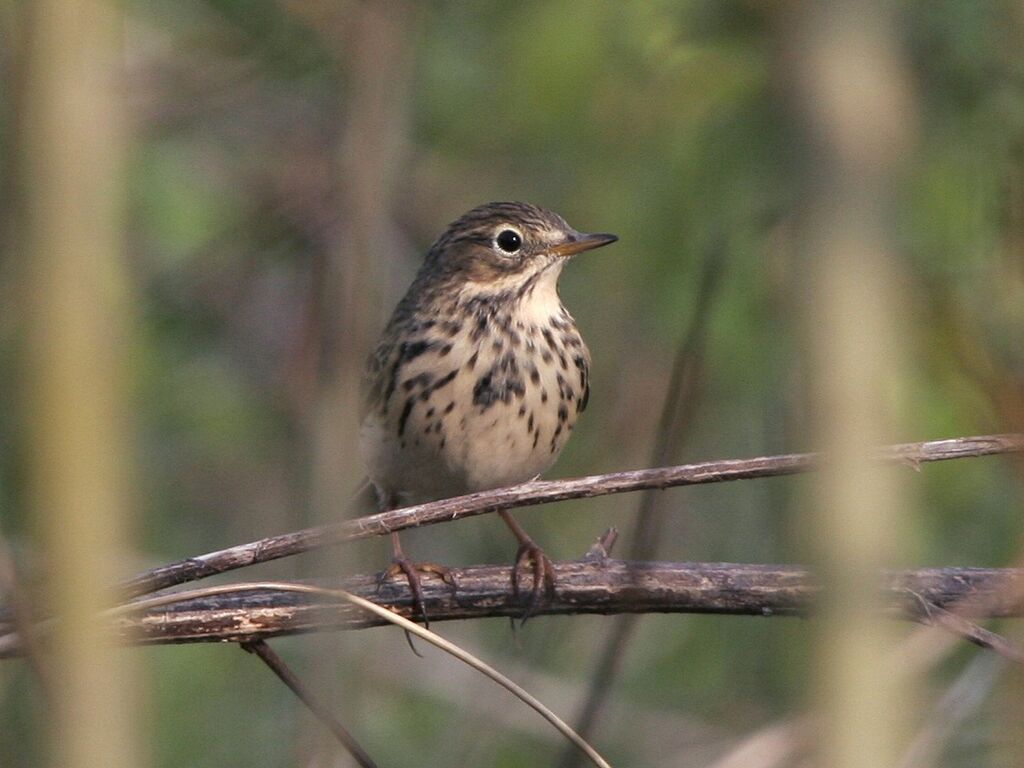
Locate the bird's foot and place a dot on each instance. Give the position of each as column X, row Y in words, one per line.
column 531, row 556
column 403, row 566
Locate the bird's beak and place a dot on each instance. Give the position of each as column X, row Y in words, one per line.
column 579, row 242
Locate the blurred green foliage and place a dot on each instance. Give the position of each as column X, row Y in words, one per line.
column 668, row 123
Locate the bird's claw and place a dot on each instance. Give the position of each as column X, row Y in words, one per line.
column 403, row 566
column 543, row 572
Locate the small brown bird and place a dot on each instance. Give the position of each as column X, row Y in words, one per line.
column 480, row 375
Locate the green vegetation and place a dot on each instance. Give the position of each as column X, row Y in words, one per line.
column 269, row 164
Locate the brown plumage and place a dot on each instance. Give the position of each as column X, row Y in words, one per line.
column 480, row 374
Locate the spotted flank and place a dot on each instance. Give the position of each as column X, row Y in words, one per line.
column 481, row 373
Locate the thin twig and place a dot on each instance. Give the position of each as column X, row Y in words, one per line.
column 445, row 645
column 969, row 630
column 542, row 492
column 317, row 707
column 676, row 419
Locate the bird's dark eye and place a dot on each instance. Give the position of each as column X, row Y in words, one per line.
column 509, row 240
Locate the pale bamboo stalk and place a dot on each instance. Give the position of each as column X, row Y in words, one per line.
column 855, row 108
column 74, row 370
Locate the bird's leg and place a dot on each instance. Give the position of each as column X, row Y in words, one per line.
column 400, row 564
column 543, row 570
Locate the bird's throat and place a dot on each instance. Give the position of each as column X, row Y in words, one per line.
column 531, row 300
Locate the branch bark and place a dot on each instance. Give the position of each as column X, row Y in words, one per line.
column 543, row 492
column 590, row 586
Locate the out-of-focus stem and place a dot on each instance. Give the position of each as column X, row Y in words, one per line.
column 852, row 96
column 77, row 326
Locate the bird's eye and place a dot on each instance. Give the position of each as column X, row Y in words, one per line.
column 509, row 240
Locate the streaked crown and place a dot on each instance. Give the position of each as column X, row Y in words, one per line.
column 498, row 240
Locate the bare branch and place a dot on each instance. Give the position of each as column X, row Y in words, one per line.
column 587, row 586
column 542, row 492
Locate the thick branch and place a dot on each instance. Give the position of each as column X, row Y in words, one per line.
column 542, row 492
column 588, row 586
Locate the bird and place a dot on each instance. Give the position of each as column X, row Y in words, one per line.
column 479, row 375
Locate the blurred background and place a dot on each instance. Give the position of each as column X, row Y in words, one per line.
column 290, row 163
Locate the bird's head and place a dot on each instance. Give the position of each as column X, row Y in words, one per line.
column 505, row 245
